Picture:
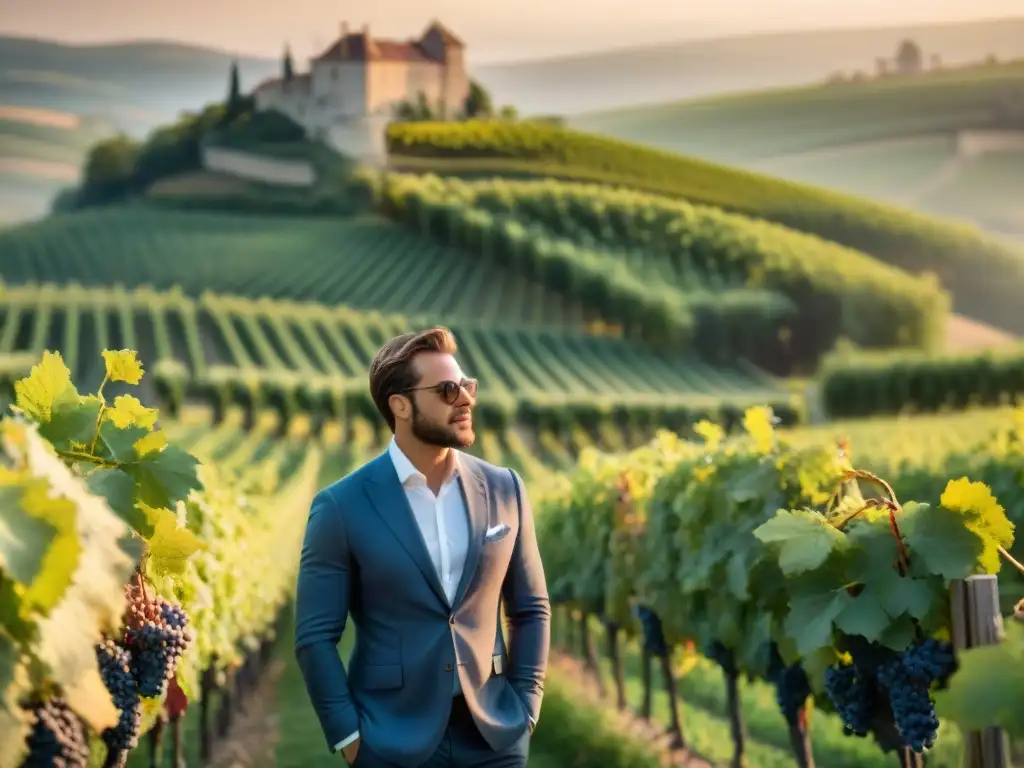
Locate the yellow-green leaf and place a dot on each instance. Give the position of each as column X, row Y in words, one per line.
column 123, row 365
column 171, row 545
column 129, row 411
column 48, row 383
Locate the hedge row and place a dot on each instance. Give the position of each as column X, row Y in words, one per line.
column 617, row 250
column 985, row 274
column 864, row 384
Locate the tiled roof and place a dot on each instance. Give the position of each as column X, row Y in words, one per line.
column 361, row 47
column 300, row 80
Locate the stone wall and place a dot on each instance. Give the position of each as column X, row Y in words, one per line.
column 268, row 170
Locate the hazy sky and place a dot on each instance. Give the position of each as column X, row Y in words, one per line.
column 493, row 30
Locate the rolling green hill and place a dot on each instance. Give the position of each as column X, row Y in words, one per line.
column 747, row 127
column 894, row 139
column 985, row 275
column 135, row 85
column 702, row 65
column 41, row 152
column 56, row 100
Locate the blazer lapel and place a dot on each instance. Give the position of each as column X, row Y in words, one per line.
column 474, row 493
column 389, row 500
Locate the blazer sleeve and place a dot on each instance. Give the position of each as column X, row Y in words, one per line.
column 528, row 609
column 321, row 611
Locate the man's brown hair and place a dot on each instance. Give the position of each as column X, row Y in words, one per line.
column 392, row 372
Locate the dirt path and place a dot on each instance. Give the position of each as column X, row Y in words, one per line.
column 252, row 740
column 650, row 732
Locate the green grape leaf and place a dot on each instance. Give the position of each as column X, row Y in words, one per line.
column 72, row 421
column 737, row 575
column 118, row 488
column 163, row 478
column 876, row 559
column 899, row 634
column 14, row 723
column 864, row 615
column 171, row 545
column 804, row 539
column 117, row 444
column 24, row 538
column 908, row 595
column 817, row 601
column 937, row 537
column 757, row 481
column 988, row 688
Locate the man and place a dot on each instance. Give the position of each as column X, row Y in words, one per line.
column 420, row 547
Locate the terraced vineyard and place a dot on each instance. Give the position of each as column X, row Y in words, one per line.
column 312, row 356
column 732, row 284
column 985, row 274
column 364, row 262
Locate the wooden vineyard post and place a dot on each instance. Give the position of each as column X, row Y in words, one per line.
column 976, row 620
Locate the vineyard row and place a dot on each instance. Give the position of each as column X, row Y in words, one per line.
column 785, row 560
column 310, row 357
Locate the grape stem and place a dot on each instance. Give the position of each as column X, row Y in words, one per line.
column 85, row 456
column 99, row 416
column 1010, row 559
column 891, row 505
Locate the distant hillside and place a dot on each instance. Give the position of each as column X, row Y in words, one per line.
column 650, row 74
column 136, row 85
column 985, row 275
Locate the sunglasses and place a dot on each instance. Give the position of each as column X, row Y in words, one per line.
column 449, row 390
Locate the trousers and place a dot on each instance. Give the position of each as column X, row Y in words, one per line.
column 462, row 746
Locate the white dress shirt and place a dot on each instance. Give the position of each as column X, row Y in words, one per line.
column 444, row 523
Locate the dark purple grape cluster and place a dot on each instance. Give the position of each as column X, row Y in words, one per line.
column 115, row 669
column 156, row 649
column 852, row 694
column 157, row 636
column 722, row 656
column 791, row 690
column 907, row 678
column 58, row 738
column 654, row 636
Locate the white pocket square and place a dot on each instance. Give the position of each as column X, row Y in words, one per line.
column 495, row 532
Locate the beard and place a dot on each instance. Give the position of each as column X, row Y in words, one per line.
column 439, row 435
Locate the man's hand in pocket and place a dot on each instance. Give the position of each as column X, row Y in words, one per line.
column 351, row 751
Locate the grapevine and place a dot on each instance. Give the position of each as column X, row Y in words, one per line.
column 785, row 563
column 884, row 680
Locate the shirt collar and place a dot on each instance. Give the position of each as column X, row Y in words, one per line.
column 405, row 469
